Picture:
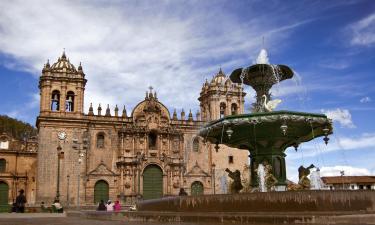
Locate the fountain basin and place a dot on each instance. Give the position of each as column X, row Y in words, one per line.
column 267, row 135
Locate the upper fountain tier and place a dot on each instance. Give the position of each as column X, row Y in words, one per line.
column 261, row 76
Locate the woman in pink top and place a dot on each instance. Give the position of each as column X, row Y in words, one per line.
column 117, row 206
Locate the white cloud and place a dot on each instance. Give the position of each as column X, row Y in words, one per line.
column 365, row 99
column 361, row 142
column 348, row 171
column 342, row 116
column 363, row 31
column 124, row 48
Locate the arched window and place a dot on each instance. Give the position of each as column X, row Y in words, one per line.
column 69, row 102
column 152, row 139
column 55, row 100
column 100, row 140
column 222, row 109
column 234, row 109
column 3, row 164
column 195, row 144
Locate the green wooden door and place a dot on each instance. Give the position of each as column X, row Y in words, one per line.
column 196, row 188
column 101, row 191
column 4, row 193
column 152, row 182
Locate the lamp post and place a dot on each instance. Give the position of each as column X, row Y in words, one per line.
column 67, row 191
column 342, row 173
column 80, row 156
column 59, row 155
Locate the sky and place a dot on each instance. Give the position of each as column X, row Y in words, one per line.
column 174, row 46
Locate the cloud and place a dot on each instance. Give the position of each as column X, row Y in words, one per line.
column 352, row 143
column 124, row 48
column 363, row 31
column 365, row 99
column 348, row 171
column 342, row 116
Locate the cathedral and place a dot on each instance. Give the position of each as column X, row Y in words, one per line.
column 148, row 153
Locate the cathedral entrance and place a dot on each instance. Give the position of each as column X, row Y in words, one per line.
column 197, row 188
column 101, row 191
column 4, row 192
column 152, row 182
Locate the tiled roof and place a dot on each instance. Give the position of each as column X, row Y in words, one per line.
column 348, row 179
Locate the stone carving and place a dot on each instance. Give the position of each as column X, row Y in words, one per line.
column 236, row 185
column 304, row 181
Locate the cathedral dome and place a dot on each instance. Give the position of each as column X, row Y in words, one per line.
column 219, row 78
column 63, row 63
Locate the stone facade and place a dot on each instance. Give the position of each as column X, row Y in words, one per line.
column 79, row 151
column 17, row 168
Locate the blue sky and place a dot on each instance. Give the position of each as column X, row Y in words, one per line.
column 125, row 46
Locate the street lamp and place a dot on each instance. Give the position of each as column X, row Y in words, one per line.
column 80, row 156
column 60, row 155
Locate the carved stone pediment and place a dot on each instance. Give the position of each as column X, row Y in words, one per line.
column 196, row 170
column 102, row 170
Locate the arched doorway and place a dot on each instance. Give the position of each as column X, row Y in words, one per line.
column 101, row 191
column 152, row 182
column 197, row 188
column 4, row 193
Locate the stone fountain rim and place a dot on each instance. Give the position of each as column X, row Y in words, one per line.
column 228, row 119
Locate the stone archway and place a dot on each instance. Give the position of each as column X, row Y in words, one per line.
column 101, row 191
column 152, row 182
column 4, row 193
column 197, row 188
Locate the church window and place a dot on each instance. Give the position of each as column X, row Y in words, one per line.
column 69, row 102
column 55, row 100
column 234, row 109
column 152, row 138
column 4, row 144
column 222, row 109
column 100, row 140
column 230, row 159
column 195, row 144
column 3, row 163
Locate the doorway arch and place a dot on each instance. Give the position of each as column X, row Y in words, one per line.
column 152, row 182
column 197, row 188
column 101, row 191
column 4, row 193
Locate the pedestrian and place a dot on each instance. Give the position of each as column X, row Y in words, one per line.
column 182, row 192
column 117, row 206
column 102, row 206
column 20, row 202
column 109, row 206
column 58, row 206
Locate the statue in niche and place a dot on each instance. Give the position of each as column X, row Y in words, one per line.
column 236, row 185
column 304, row 181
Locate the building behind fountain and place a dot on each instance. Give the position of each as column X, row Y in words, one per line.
column 109, row 153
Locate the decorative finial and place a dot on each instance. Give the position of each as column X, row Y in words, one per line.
column 91, row 110
column 124, row 112
column 263, row 42
column 107, row 111
column 63, row 55
column 116, row 110
column 174, row 117
column 47, row 64
column 99, row 110
column 150, row 87
column 80, row 66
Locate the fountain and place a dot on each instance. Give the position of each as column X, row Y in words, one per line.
column 266, row 133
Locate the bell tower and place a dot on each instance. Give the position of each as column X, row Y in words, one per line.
column 62, row 88
column 220, row 98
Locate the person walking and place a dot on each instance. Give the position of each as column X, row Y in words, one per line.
column 102, row 206
column 109, row 206
column 117, row 206
column 20, row 202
